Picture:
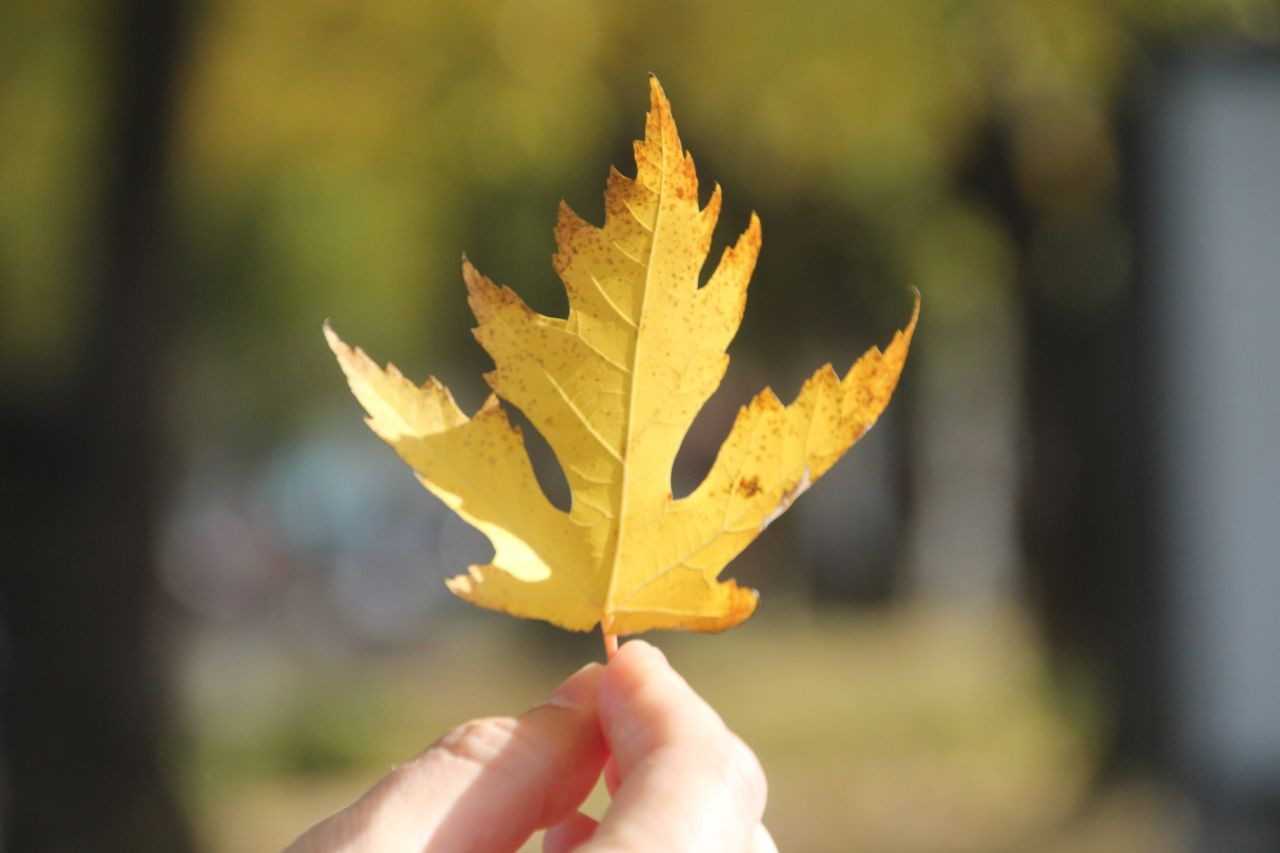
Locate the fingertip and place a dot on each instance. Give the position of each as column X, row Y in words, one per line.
column 638, row 651
column 579, row 690
column 636, row 665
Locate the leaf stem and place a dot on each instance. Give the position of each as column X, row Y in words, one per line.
column 610, row 641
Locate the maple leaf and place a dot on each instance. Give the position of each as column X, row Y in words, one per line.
column 614, row 388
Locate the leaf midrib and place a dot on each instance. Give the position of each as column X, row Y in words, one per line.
column 633, row 378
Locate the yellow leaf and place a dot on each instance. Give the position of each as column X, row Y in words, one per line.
column 614, row 388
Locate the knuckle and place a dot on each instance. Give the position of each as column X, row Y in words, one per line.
column 479, row 741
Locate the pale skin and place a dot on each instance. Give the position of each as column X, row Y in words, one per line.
column 680, row 779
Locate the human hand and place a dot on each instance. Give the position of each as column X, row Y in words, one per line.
column 681, row 781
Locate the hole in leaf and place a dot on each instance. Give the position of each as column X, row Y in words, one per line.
column 546, row 467
column 701, row 444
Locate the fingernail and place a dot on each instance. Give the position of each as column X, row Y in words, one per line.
column 579, row 689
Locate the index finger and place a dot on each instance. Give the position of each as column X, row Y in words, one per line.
column 486, row 785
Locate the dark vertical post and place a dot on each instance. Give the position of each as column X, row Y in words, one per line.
column 83, row 696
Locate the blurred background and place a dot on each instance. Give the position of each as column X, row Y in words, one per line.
column 1033, row 610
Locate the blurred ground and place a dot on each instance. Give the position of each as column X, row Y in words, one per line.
column 914, row 728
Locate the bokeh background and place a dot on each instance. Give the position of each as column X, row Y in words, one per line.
column 1032, row 610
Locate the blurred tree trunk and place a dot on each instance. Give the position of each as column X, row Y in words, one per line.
column 83, row 696
column 1083, row 503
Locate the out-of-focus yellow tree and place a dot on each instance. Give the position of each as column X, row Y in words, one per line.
column 334, row 157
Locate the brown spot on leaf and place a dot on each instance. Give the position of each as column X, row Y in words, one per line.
column 749, row 487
